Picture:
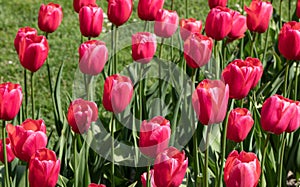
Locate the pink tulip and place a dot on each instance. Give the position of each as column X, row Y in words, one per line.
column 119, row 11
column 50, row 17
column 90, row 20
column 96, row 185
column 147, row 9
column 144, row 179
column 23, row 33
column 143, row 47
column 166, row 23
column 239, row 26
column 215, row 3
column 298, row 9
column 78, row 4
column 189, row 27
column 9, row 153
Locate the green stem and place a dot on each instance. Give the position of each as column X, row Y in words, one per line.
column 141, row 88
column 32, row 95
column 112, row 122
column 186, row 8
column 281, row 160
column 296, row 82
column 160, row 76
column 26, row 93
column 286, row 77
column 148, row 176
column 290, row 18
column 115, row 49
column 262, row 184
column 253, row 44
column 280, row 14
column 265, row 48
column 206, row 175
column 7, row 181
column 75, row 160
column 27, row 176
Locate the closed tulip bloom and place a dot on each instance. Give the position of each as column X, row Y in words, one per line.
column 50, row 17
column 93, row 56
column 188, row 27
column 215, row 3
column 242, row 170
column 210, row 100
column 22, row 33
column 166, row 23
column 27, row 138
column 218, row 23
column 154, row 136
column 143, row 47
column 289, row 40
column 96, row 185
column 239, row 26
column 258, row 15
column 90, row 20
column 279, row 114
column 44, row 168
column 144, row 179
column 10, row 100
column 9, row 153
column 170, row 167
column 117, row 93
column 147, row 9
column 242, row 76
column 119, row 11
column 78, row 4
column 240, row 123
column 197, row 50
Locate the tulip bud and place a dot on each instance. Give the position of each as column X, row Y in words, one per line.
column 143, row 47
column 170, row 167
column 81, row 114
column 144, row 179
column 147, row 9
column 27, row 138
column 154, row 136
column 197, row 50
column 189, row 27
column 119, row 11
column 90, row 20
column 93, row 55
column 50, row 17
column 242, row 169
column 117, row 93
column 242, row 76
column 23, row 33
column 218, row 23
column 258, row 15
column 9, row 153
column 96, row 185
column 166, row 23
column 78, row 4
column 215, row 3
column 44, row 168
column 239, row 26
column 11, row 100
column 210, row 100
column 240, row 123
column 279, row 114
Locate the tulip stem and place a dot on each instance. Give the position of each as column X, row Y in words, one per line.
column 75, row 160
column 27, row 175
column 253, row 43
column 148, row 176
column 32, row 95
column 112, row 122
column 26, row 93
column 296, row 82
column 160, row 76
column 265, row 48
column 281, row 160
column 186, row 8
column 286, row 77
column 141, row 88
column 280, row 13
column 206, row 175
column 262, row 184
column 7, row 182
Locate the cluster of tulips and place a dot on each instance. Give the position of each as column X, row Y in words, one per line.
column 210, row 98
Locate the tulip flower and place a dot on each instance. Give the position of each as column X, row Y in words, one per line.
column 50, row 17
column 44, row 168
column 215, row 3
column 258, row 15
column 96, row 185
column 143, row 47
column 23, row 33
column 90, row 21
column 117, row 94
column 78, row 4
column 154, row 136
column 147, row 9
column 239, row 26
column 27, row 138
column 240, row 123
column 242, row 76
column 289, row 40
column 81, row 114
column 144, row 179
column 189, row 27
column 210, row 100
column 218, row 23
column 119, row 11
column 242, row 169
column 279, row 114
column 93, row 55
column 166, row 23
column 9, row 153
column 170, row 167
column 197, row 50
column 11, row 100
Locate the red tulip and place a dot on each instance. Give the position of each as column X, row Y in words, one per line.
column 258, row 15
column 239, row 26
column 81, row 114
column 147, row 9
column 218, row 23
column 50, row 17
column 119, row 11
column 154, row 136
column 23, row 33
column 279, row 114
column 197, row 50
column 96, row 185
column 210, row 101
column 242, row 170
column 242, row 76
column 189, row 27
column 144, row 179
column 289, row 40
column 298, row 9
column 10, row 100
column 143, row 47
column 27, row 138
column 9, row 153
column 215, row 3
column 170, row 167
column 90, row 20
column 240, row 123
column 117, row 93
column 93, row 55
column 44, row 168
column 78, row 4
column 166, row 23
